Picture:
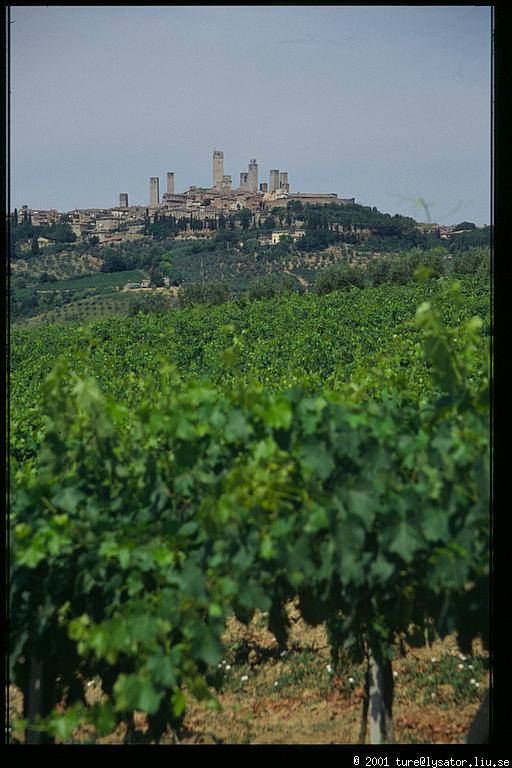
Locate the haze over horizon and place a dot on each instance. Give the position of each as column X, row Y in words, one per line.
column 384, row 104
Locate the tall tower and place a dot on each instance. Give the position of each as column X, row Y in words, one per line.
column 252, row 176
column 283, row 181
column 218, row 168
column 123, row 200
column 274, row 181
column 170, row 183
column 154, row 191
column 244, row 180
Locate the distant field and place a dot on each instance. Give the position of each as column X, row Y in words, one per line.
column 63, row 266
column 90, row 308
column 100, row 281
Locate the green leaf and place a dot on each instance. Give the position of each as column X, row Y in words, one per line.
column 62, row 725
column 405, row 542
column 381, row 569
column 103, row 718
column 278, row 415
column 310, row 412
column 124, row 557
column 316, row 460
column 68, row 499
column 186, row 430
column 32, row 555
column 178, row 703
column 237, row 427
column 317, row 519
column 189, row 528
column 162, row 669
column 267, row 549
column 134, row 584
column 136, row 692
column 434, row 524
column 364, row 505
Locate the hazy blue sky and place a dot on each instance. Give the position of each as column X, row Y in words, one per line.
column 384, row 104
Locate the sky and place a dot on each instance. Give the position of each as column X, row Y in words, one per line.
column 386, row 104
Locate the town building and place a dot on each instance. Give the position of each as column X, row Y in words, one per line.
column 205, row 203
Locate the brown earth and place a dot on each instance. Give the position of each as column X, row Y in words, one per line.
column 270, row 696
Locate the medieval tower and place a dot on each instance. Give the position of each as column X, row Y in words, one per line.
column 252, row 176
column 154, row 191
column 218, row 168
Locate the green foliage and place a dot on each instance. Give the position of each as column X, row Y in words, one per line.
column 472, row 238
column 337, row 277
column 62, row 233
column 474, row 261
column 143, row 515
column 147, row 304
column 203, row 293
column 270, row 286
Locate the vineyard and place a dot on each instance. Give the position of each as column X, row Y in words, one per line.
column 174, row 472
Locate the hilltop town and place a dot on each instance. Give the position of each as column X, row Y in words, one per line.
column 203, row 204
column 197, row 211
column 210, row 243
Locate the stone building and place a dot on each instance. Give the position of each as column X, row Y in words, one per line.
column 218, row 168
column 154, row 192
column 274, row 181
column 252, row 176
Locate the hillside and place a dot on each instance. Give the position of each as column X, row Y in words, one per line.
column 242, row 501
column 74, row 281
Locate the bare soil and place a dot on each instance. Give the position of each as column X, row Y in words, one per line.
column 270, row 696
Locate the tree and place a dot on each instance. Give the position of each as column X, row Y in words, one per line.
column 154, row 303
column 378, row 271
column 337, row 277
column 475, row 261
column 272, row 285
column 62, row 233
column 113, row 262
column 465, row 225
column 155, row 276
column 204, row 293
column 245, row 217
column 35, row 246
column 470, row 238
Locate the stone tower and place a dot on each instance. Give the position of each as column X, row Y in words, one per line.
column 283, row 181
column 218, row 168
column 252, row 176
column 274, row 181
column 244, row 180
column 123, row 200
column 154, row 191
column 170, row 183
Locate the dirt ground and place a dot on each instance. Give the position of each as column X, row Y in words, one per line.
column 295, row 696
